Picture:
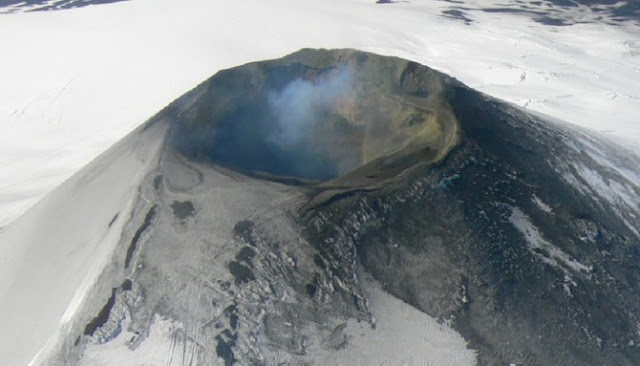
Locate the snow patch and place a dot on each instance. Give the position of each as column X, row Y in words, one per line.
column 401, row 335
column 613, row 192
column 620, row 197
column 541, row 205
column 553, row 255
column 161, row 347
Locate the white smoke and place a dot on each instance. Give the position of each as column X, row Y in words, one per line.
column 299, row 105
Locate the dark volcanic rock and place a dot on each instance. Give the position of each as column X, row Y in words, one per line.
column 464, row 239
column 553, row 12
column 182, row 210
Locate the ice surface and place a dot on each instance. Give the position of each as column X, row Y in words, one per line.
column 78, row 80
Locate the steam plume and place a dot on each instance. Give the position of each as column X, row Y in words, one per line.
column 298, row 106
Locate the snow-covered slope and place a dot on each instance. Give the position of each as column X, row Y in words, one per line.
column 53, row 254
column 72, row 82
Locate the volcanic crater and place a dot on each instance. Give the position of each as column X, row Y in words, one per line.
column 333, row 118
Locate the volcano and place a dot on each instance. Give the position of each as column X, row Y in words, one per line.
column 333, row 207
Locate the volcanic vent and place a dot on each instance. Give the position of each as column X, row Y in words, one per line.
column 315, row 116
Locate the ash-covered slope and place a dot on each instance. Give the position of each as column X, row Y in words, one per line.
column 331, row 207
